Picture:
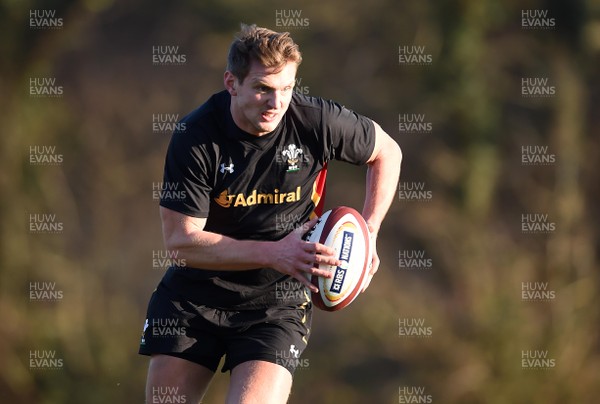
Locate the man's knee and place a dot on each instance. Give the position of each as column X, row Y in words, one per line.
column 172, row 379
column 259, row 382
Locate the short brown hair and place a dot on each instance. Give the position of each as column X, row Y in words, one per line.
column 269, row 48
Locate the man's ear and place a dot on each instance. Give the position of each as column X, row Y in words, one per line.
column 231, row 83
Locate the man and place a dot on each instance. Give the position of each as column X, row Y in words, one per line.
column 251, row 163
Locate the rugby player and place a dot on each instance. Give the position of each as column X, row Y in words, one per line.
column 252, row 162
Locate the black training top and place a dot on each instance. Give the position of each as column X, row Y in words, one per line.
column 254, row 188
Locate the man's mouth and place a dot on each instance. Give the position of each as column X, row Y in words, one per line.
column 268, row 116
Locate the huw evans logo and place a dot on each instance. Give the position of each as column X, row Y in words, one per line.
column 299, row 88
column 44, row 19
column 290, row 291
column 413, row 394
column 537, row 19
column 413, row 124
column 414, row 191
column 536, row 155
column 44, row 360
column 167, row 394
column 167, row 123
column 535, row 223
column 167, row 327
column 44, row 87
column 167, row 55
column 537, row 360
column 414, row 259
column 44, row 292
column 287, row 222
column 168, row 191
column 536, row 292
column 291, row 358
column 412, row 55
column 44, row 155
column 44, row 223
column 537, row 87
column 291, row 19
column 163, row 259
column 413, row 327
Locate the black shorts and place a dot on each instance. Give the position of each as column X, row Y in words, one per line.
column 202, row 334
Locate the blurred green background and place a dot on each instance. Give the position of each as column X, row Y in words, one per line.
column 469, row 296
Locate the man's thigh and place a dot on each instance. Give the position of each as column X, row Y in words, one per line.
column 172, row 379
column 259, row 382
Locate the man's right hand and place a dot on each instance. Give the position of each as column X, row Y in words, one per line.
column 296, row 257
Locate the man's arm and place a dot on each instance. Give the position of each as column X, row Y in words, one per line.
column 207, row 250
column 383, row 173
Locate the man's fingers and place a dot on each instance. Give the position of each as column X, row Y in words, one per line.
column 301, row 230
column 324, row 250
column 324, row 273
column 306, row 282
column 301, row 276
column 319, row 254
column 323, row 260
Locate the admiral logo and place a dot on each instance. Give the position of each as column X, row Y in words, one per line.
column 413, row 56
column 44, row 19
column 167, row 327
column 290, row 19
column 413, row 394
column 340, row 272
column 44, row 291
column 537, row 360
column 44, row 155
column 167, row 394
column 413, row 327
column 44, row 87
column 537, row 19
column 537, row 87
column 414, row 192
column 413, row 124
column 226, row 200
column 536, row 291
column 167, row 55
column 44, row 360
column 163, row 259
column 168, row 191
column 414, row 259
column 44, row 223
column 536, row 155
column 167, row 123
column 536, row 224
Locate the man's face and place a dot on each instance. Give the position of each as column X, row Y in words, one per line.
column 258, row 104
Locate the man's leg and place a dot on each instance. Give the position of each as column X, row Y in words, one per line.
column 171, row 378
column 259, row 382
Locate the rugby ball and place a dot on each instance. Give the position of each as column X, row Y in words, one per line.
column 346, row 231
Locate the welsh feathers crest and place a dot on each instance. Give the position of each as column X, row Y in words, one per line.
column 292, row 154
